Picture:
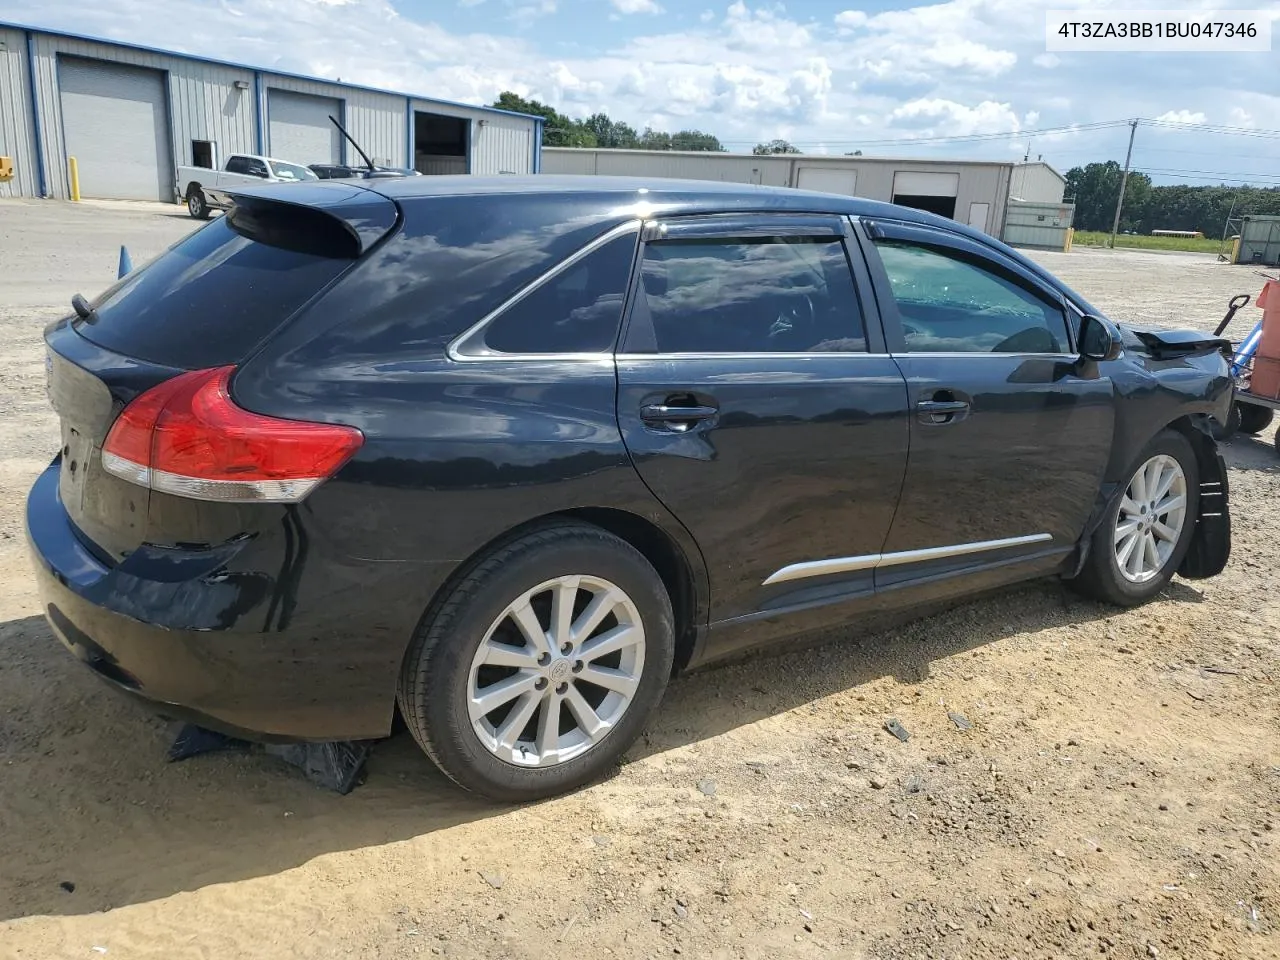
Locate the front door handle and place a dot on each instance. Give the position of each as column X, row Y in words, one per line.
column 943, row 407
column 677, row 414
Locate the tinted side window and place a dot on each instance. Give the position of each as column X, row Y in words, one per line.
column 779, row 295
column 949, row 303
column 257, row 168
column 576, row 311
column 237, row 165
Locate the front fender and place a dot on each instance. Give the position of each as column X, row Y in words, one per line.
column 1211, row 540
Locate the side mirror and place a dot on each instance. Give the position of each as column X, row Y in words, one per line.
column 1099, row 339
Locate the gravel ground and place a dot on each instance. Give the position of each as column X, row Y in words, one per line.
column 1114, row 794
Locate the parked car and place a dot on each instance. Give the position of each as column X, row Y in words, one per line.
column 341, row 171
column 205, row 190
column 509, row 453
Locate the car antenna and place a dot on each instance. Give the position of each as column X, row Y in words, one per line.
column 363, row 156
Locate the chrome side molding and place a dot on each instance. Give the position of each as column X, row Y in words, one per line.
column 825, row 568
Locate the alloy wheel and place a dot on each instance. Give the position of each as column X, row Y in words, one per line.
column 556, row 671
column 1152, row 515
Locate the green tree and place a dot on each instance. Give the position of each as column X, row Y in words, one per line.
column 695, row 140
column 613, row 134
column 1095, row 188
column 772, row 147
column 654, row 140
column 557, row 130
column 1176, row 206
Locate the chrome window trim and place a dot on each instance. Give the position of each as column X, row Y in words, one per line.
column 469, row 346
column 957, row 354
column 834, row 565
column 730, row 355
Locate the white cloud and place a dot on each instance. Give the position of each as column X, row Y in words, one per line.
column 741, row 70
column 527, row 12
column 1181, row 116
column 850, row 20
column 636, row 6
column 938, row 117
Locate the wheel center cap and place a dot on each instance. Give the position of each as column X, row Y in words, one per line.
column 560, row 670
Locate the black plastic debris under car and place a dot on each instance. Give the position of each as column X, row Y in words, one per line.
column 337, row 766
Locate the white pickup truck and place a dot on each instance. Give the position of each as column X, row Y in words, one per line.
column 204, row 190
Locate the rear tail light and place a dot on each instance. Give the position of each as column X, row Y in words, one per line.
column 187, row 437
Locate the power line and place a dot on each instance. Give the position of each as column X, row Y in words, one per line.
column 1258, row 132
column 1245, row 178
column 896, row 141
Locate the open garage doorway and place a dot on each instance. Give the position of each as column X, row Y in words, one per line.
column 933, row 192
column 441, row 144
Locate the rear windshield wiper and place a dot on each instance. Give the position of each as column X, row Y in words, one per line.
column 83, row 309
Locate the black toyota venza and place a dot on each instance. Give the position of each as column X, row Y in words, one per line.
column 510, row 452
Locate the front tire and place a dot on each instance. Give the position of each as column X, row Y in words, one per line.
column 541, row 665
column 197, row 204
column 1146, row 533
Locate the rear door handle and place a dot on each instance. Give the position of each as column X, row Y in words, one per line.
column 945, row 409
column 676, row 417
column 663, row 412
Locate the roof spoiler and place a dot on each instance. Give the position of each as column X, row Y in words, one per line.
column 326, row 218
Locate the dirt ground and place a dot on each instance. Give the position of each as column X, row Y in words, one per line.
column 1116, row 794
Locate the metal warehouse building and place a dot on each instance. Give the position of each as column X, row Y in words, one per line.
column 130, row 115
column 974, row 192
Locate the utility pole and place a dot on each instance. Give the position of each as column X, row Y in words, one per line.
column 1124, row 181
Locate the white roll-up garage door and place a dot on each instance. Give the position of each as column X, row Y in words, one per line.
column 828, row 180
column 116, row 124
column 917, row 184
column 300, row 128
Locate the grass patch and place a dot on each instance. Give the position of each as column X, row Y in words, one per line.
column 1096, row 238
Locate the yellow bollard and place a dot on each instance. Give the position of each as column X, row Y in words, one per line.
column 74, row 169
column 1071, row 234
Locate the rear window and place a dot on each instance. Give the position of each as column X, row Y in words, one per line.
column 209, row 300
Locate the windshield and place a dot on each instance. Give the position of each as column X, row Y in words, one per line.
column 291, row 171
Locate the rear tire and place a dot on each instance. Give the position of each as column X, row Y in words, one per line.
column 1146, row 533
column 197, row 204
column 526, row 632
column 1253, row 418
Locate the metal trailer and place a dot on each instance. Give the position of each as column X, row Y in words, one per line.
column 1250, row 412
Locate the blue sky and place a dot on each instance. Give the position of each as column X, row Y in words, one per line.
column 830, row 75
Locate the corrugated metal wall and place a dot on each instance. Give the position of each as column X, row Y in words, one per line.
column 1036, row 183
column 376, row 120
column 978, row 182
column 1260, row 240
column 205, row 104
column 1042, row 225
column 499, row 144
column 17, row 137
column 440, row 166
